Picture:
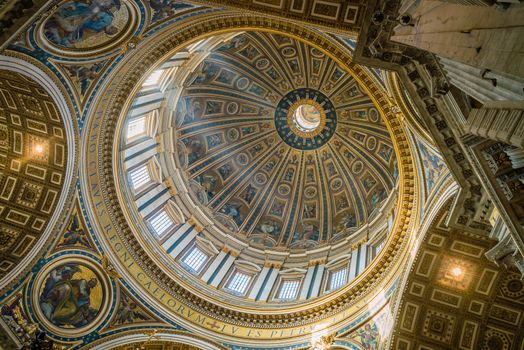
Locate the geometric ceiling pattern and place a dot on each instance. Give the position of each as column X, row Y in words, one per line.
column 260, row 174
column 33, row 156
column 455, row 298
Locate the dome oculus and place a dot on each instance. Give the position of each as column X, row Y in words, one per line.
column 305, row 119
column 307, row 116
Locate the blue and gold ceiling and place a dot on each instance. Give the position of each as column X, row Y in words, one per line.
column 253, row 171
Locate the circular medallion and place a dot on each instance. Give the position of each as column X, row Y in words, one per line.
column 71, row 296
column 242, row 159
column 242, row 83
column 310, row 192
column 284, row 190
column 232, row 108
column 260, row 179
column 305, row 119
column 85, row 27
column 336, row 184
column 373, row 115
column 233, row 134
column 262, row 63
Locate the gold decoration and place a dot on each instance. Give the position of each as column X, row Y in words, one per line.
column 151, row 337
column 324, row 342
column 131, row 44
column 109, row 268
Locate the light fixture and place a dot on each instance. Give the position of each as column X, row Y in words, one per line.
column 39, row 149
column 456, row 271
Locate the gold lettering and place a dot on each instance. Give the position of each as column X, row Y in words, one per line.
column 140, row 276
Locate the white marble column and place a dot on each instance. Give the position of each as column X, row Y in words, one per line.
column 353, row 264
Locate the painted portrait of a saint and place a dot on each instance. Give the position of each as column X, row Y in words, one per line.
column 71, row 296
column 85, row 23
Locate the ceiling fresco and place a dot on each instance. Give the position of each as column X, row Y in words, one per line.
column 255, row 170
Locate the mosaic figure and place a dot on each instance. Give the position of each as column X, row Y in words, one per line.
column 310, row 211
column 262, row 241
column 84, row 23
column 368, row 182
column 195, row 149
column 433, row 166
column 269, row 227
column 128, row 311
column 71, row 296
column 163, row 9
column 369, row 336
column 233, row 211
column 309, row 232
column 75, row 234
column 249, row 194
column 376, row 198
column 84, row 75
column 225, row 170
column 208, row 183
column 346, row 221
column 207, row 71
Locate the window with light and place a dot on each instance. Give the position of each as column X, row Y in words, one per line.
column 161, row 222
column 338, row 278
column 140, row 177
column 194, row 260
column 238, row 283
column 289, row 290
column 136, row 127
column 153, row 79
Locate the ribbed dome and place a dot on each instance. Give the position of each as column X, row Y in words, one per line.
column 279, row 145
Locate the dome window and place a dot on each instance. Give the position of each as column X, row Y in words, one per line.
column 338, row 278
column 238, row 283
column 289, row 289
column 307, row 117
column 153, row 79
column 194, row 260
column 161, row 222
column 140, row 177
column 136, row 127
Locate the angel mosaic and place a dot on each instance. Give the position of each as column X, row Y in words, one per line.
column 369, row 336
column 166, row 8
column 75, row 235
column 128, row 311
column 433, row 166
